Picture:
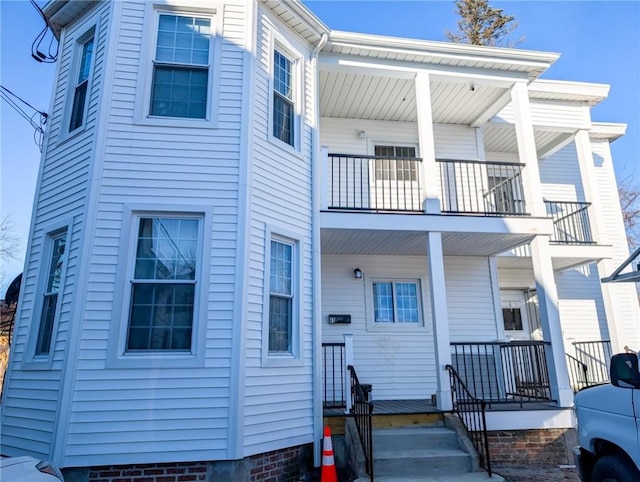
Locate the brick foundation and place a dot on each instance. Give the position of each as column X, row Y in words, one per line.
column 292, row 464
column 531, row 447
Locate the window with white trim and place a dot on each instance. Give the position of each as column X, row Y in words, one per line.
column 396, row 302
column 390, row 165
column 82, row 78
column 283, row 98
column 56, row 264
column 282, row 293
column 163, row 284
column 181, row 67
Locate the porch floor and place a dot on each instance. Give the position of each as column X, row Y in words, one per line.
column 403, row 407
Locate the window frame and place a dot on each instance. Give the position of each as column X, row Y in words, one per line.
column 89, row 31
column 119, row 356
column 414, row 168
column 292, row 358
column 373, row 325
column 144, row 86
column 35, row 360
column 284, row 48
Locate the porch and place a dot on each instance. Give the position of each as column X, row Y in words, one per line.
column 388, row 184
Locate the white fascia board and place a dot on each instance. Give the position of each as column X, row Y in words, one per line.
column 570, row 87
column 444, row 224
column 526, row 59
column 301, row 14
column 607, row 130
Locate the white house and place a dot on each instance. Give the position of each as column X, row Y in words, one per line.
column 232, row 196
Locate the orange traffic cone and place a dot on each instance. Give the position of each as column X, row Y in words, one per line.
column 328, row 473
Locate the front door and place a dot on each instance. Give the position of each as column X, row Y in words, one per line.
column 514, row 315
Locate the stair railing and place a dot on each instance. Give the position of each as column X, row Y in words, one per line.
column 472, row 412
column 578, row 373
column 362, row 411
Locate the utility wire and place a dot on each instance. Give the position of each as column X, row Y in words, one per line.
column 36, row 118
column 52, row 55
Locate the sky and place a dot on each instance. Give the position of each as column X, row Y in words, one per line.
column 599, row 41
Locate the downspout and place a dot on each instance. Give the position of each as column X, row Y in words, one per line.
column 315, row 264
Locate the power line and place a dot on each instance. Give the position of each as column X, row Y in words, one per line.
column 51, row 56
column 36, row 118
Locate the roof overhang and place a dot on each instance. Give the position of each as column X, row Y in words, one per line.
column 60, row 12
column 582, row 92
column 299, row 18
column 607, row 130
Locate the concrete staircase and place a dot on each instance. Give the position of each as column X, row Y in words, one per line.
column 415, row 452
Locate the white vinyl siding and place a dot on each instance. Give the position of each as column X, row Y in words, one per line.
column 278, row 405
column 120, row 414
column 31, row 395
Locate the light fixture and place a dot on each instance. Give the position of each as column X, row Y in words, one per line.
column 357, row 273
column 361, row 134
column 472, row 87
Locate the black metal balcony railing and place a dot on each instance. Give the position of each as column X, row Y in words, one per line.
column 479, row 187
column 596, row 356
column 503, row 372
column 334, row 373
column 570, row 222
column 373, row 183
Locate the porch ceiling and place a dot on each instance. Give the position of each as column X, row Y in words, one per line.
column 349, row 95
column 406, row 243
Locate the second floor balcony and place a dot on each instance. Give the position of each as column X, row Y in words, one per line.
column 383, row 184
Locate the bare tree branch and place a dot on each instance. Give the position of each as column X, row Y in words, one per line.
column 629, row 193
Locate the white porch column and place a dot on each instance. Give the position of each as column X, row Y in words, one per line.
column 348, row 359
column 440, row 318
column 527, row 150
column 550, row 321
column 605, row 266
column 324, row 178
column 430, row 176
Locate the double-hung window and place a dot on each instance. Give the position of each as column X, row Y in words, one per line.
column 81, row 89
column 396, row 163
column 283, row 98
column 163, row 286
column 181, row 68
column 396, row 302
column 281, row 298
column 52, row 286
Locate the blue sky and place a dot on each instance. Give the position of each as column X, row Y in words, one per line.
column 599, row 42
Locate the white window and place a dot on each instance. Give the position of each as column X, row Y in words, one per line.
column 283, row 98
column 181, row 68
column 281, row 297
column 56, row 264
column 396, row 302
column 163, row 285
column 82, row 81
column 396, row 163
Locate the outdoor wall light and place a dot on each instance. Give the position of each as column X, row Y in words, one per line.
column 361, row 134
column 357, row 273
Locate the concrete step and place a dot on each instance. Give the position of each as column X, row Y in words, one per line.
column 421, row 462
column 412, row 438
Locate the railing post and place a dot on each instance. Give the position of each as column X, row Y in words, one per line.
column 324, row 178
column 348, row 355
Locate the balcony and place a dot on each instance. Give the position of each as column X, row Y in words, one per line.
column 570, row 222
column 383, row 184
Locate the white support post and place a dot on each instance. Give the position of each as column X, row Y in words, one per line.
column 527, row 150
column 550, row 321
column 440, row 318
column 348, row 357
column 605, row 266
column 429, row 174
column 324, row 178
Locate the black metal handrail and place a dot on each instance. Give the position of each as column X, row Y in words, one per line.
column 472, row 412
column 480, row 187
column 334, row 373
column 504, row 372
column 374, row 183
column 362, row 411
column 570, row 222
column 578, row 373
column 596, row 355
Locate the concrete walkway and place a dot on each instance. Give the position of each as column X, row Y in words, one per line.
column 472, row 477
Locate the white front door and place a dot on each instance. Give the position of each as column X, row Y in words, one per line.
column 514, row 315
